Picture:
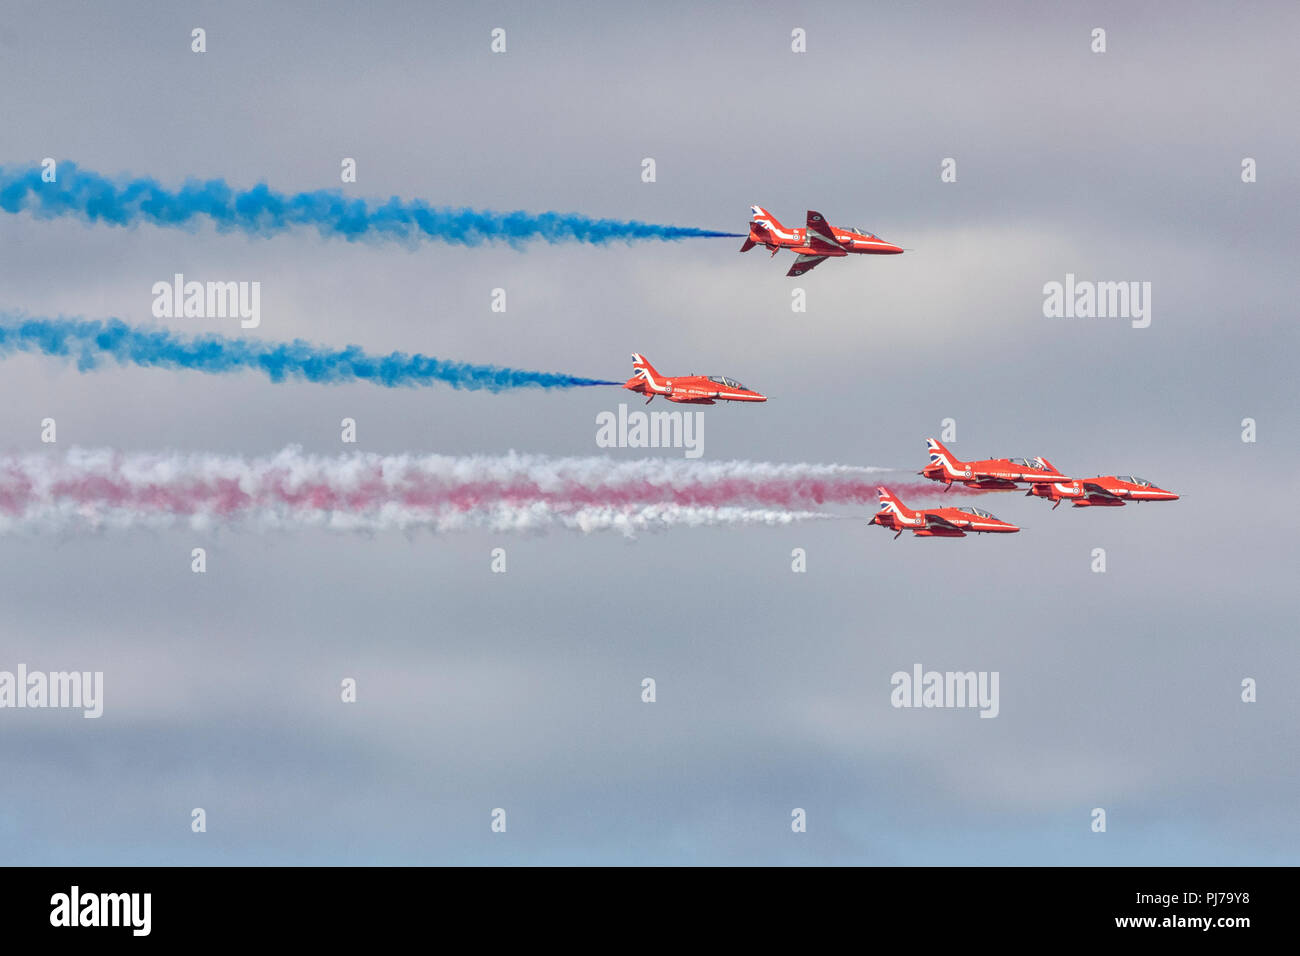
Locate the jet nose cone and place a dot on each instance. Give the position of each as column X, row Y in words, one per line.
column 894, row 250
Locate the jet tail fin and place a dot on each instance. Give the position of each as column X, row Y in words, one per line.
column 639, row 362
column 763, row 219
column 888, row 500
column 642, row 370
column 939, row 455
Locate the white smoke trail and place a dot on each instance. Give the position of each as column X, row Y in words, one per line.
column 106, row 490
column 532, row 518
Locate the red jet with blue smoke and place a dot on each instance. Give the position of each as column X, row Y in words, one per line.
column 686, row 389
column 815, row 243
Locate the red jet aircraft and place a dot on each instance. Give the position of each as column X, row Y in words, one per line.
column 989, row 474
column 814, row 244
column 688, row 389
column 936, row 522
column 1111, row 491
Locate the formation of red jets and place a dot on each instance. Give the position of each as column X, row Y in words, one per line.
column 813, row 245
column 1005, row 474
column 1044, row 480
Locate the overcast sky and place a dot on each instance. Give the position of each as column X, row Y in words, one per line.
column 522, row 690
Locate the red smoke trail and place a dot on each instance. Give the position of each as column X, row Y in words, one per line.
column 224, row 496
column 93, row 483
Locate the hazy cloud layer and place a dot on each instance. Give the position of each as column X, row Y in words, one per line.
column 522, row 690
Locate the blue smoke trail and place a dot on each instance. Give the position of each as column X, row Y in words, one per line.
column 91, row 342
column 260, row 211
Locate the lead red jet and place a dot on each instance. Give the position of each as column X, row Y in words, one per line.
column 815, row 243
column 687, row 389
column 936, row 522
column 987, row 474
column 1107, row 491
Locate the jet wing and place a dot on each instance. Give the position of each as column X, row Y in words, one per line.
column 804, row 264
column 933, row 520
column 1094, row 489
column 819, row 235
column 987, row 480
